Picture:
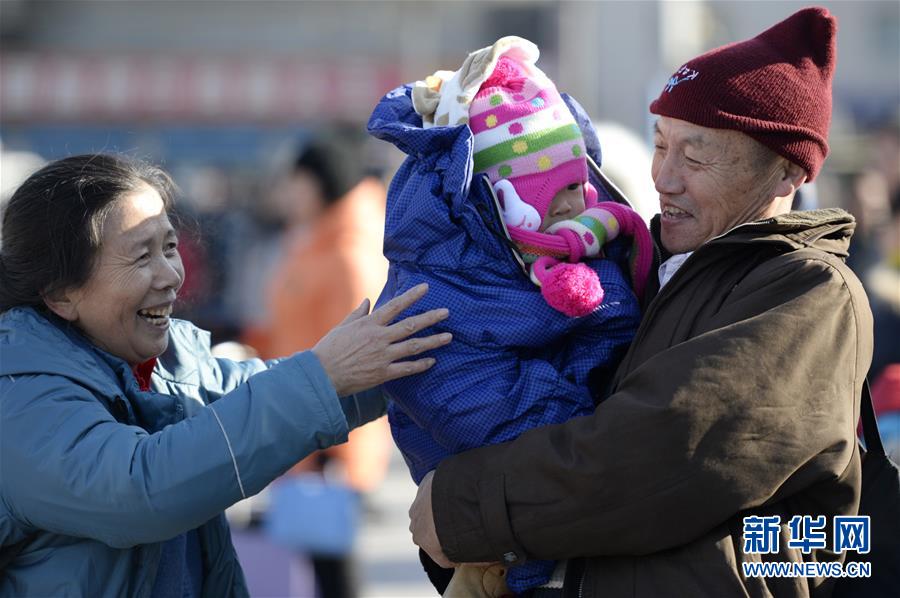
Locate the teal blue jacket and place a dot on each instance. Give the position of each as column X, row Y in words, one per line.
column 95, row 474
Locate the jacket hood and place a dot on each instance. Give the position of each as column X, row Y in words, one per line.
column 32, row 343
column 828, row 230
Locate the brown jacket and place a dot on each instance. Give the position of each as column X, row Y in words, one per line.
column 738, row 396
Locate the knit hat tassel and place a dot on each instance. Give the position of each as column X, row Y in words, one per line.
column 573, row 289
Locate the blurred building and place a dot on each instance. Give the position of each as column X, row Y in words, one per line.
column 229, row 80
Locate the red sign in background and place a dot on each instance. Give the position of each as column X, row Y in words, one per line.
column 167, row 88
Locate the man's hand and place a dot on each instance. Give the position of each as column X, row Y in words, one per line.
column 421, row 524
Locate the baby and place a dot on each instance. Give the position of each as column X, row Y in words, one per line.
column 543, row 292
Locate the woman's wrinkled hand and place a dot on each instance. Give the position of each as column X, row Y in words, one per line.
column 366, row 350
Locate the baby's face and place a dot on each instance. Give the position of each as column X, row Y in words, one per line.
column 568, row 203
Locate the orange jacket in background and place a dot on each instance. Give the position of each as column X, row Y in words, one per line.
column 327, row 270
column 325, row 273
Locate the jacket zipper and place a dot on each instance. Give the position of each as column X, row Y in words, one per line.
column 576, row 568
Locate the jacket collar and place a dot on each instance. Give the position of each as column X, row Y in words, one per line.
column 828, row 229
column 37, row 343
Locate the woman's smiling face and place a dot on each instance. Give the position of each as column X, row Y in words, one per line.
column 124, row 306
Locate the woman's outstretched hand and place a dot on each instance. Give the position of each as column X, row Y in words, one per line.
column 365, row 349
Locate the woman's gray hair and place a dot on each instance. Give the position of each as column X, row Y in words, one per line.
column 53, row 223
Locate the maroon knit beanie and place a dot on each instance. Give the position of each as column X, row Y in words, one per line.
column 775, row 87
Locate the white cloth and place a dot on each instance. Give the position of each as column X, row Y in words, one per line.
column 443, row 99
column 668, row 268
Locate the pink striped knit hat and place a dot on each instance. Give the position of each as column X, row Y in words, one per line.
column 524, row 133
column 530, row 147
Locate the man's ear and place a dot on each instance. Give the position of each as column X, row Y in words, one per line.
column 792, row 176
column 63, row 304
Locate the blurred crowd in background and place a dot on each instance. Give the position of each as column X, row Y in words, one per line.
column 258, row 109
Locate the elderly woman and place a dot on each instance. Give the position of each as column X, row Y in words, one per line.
column 122, row 439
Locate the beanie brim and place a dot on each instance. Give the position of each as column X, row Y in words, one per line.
column 801, row 145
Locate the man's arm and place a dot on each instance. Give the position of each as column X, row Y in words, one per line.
column 754, row 408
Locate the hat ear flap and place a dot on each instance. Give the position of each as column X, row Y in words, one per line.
column 515, row 211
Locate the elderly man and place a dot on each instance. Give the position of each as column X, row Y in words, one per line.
column 739, row 396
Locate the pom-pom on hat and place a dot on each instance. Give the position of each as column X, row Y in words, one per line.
column 775, row 87
column 524, row 133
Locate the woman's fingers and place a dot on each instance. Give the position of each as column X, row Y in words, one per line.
column 367, row 350
column 386, row 313
column 413, row 324
column 360, row 312
column 414, row 346
column 408, row 368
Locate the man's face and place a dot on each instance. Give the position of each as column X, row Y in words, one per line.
column 709, row 181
